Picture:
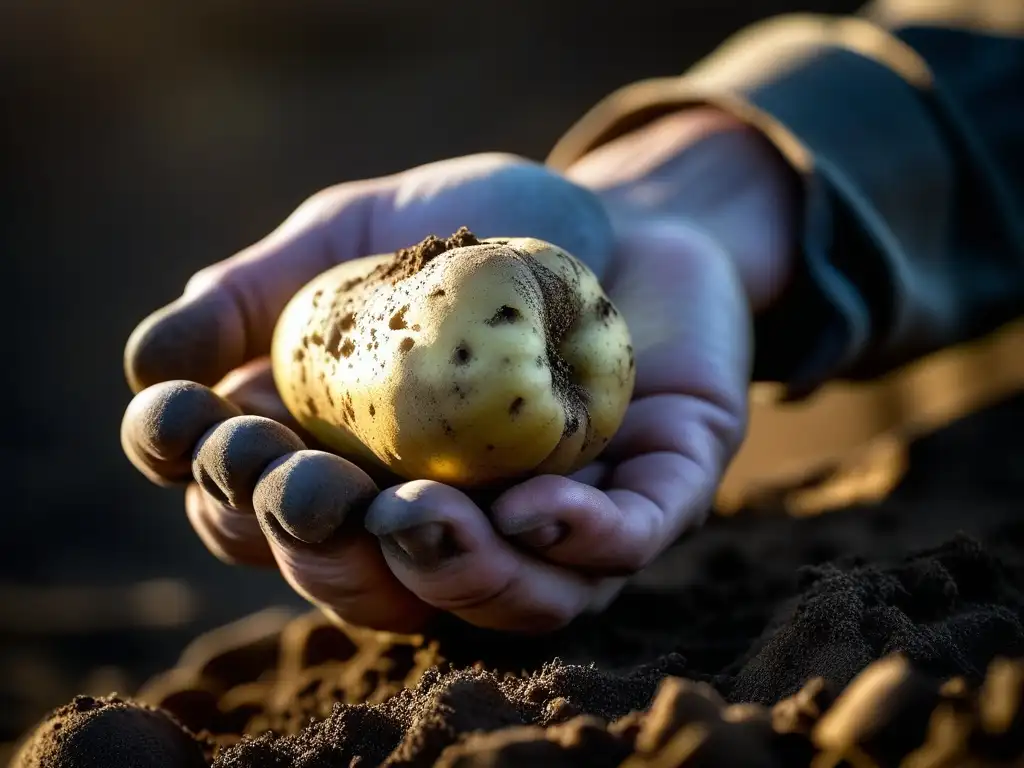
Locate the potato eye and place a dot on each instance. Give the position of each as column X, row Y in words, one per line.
column 504, row 315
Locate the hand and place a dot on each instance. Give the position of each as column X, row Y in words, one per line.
column 547, row 549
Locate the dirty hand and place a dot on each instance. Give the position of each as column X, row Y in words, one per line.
column 686, row 223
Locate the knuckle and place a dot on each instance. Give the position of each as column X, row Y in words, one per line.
column 322, row 199
column 205, row 279
column 318, row 209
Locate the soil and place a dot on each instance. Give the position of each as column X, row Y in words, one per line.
column 869, row 635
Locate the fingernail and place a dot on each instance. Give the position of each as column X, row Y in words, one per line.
column 426, row 546
column 547, row 535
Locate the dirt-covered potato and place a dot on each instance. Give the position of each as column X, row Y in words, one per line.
column 466, row 361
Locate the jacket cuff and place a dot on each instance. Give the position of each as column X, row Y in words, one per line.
column 820, row 89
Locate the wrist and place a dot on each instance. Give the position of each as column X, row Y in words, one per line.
column 716, row 172
column 632, row 157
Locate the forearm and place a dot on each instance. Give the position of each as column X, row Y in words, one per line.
column 909, row 152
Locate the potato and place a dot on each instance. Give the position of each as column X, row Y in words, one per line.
column 470, row 362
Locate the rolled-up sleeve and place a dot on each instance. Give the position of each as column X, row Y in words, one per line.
column 909, row 138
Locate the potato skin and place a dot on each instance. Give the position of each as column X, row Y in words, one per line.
column 470, row 362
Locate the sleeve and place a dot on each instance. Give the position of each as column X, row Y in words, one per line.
column 906, row 125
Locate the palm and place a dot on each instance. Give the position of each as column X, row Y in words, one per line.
column 691, row 330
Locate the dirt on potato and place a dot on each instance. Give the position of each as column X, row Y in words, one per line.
column 873, row 635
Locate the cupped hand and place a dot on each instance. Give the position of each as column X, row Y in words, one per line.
column 542, row 552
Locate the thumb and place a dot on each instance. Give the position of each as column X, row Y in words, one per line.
column 227, row 314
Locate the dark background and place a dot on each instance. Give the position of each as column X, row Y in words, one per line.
column 144, row 139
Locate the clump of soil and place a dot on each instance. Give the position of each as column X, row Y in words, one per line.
column 114, row 733
column 410, row 261
column 735, row 672
column 871, row 636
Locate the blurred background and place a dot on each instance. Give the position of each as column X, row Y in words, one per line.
column 144, row 140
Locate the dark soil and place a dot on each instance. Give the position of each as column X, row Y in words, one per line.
column 735, row 646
